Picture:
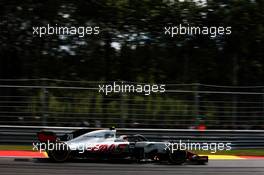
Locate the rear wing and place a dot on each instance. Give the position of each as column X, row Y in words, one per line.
column 45, row 136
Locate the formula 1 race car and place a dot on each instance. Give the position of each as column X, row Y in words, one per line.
column 105, row 145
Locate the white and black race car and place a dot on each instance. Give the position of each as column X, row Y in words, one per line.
column 105, row 145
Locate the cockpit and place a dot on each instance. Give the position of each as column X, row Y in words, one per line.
column 96, row 136
column 132, row 138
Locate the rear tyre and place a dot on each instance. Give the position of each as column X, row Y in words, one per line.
column 61, row 154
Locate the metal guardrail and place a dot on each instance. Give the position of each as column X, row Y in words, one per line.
column 47, row 102
column 26, row 135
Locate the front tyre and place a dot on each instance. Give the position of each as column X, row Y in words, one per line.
column 178, row 157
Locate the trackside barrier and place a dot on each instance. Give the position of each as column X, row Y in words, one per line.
column 238, row 138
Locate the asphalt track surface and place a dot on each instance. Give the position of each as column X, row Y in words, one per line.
column 13, row 166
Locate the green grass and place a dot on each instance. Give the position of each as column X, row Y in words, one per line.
column 16, row 147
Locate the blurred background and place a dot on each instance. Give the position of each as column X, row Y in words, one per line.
column 211, row 83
